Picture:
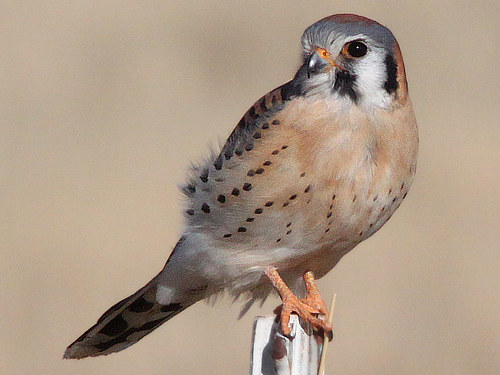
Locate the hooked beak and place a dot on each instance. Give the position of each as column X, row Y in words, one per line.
column 320, row 61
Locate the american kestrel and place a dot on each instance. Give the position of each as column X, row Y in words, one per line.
column 313, row 168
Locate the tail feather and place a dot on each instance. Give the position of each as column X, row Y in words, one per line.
column 124, row 324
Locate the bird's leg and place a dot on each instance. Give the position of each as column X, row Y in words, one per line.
column 313, row 297
column 308, row 309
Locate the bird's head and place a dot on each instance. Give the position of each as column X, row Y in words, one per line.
column 354, row 59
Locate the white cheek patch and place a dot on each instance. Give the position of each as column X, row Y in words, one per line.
column 370, row 78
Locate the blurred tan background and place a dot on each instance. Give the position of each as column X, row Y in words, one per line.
column 104, row 104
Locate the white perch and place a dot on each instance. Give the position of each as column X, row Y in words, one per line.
column 275, row 354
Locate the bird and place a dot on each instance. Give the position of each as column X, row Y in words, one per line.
column 313, row 168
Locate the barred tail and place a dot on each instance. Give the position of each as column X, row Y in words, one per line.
column 124, row 324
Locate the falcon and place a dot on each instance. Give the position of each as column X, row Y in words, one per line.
column 313, row 168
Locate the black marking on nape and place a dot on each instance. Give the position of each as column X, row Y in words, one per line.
column 140, row 305
column 344, row 84
column 391, row 84
column 171, row 307
column 114, row 327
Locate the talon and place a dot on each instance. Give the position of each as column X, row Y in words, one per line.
column 311, row 309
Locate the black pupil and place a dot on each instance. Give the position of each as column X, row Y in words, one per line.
column 357, row 49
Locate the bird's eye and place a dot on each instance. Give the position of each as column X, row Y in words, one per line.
column 355, row 49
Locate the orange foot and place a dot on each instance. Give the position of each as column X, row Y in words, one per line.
column 309, row 308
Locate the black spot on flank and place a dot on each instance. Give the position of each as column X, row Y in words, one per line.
column 327, row 230
column 390, row 191
column 288, row 232
column 114, row 326
column 259, row 171
column 238, row 152
column 308, row 188
column 235, row 192
column 293, row 197
column 205, row 208
column 375, row 198
column 171, row 307
column 354, row 198
column 331, row 206
column 267, row 163
column 251, row 173
column 204, row 175
column 227, row 235
column 269, row 204
column 391, row 84
column 371, row 225
column 286, row 204
column 302, row 174
column 258, row 211
column 275, row 152
column 334, row 196
column 263, row 106
column 218, row 163
column 404, row 196
column 190, row 212
column 140, row 305
column 275, row 122
column 402, row 186
column 191, row 188
column 242, row 229
column 278, row 240
column 329, row 215
column 221, row 198
column 344, row 84
column 252, row 113
column 288, row 225
column 394, row 200
column 284, row 147
column 265, row 125
column 257, row 135
column 247, row 186
column 250, row 219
